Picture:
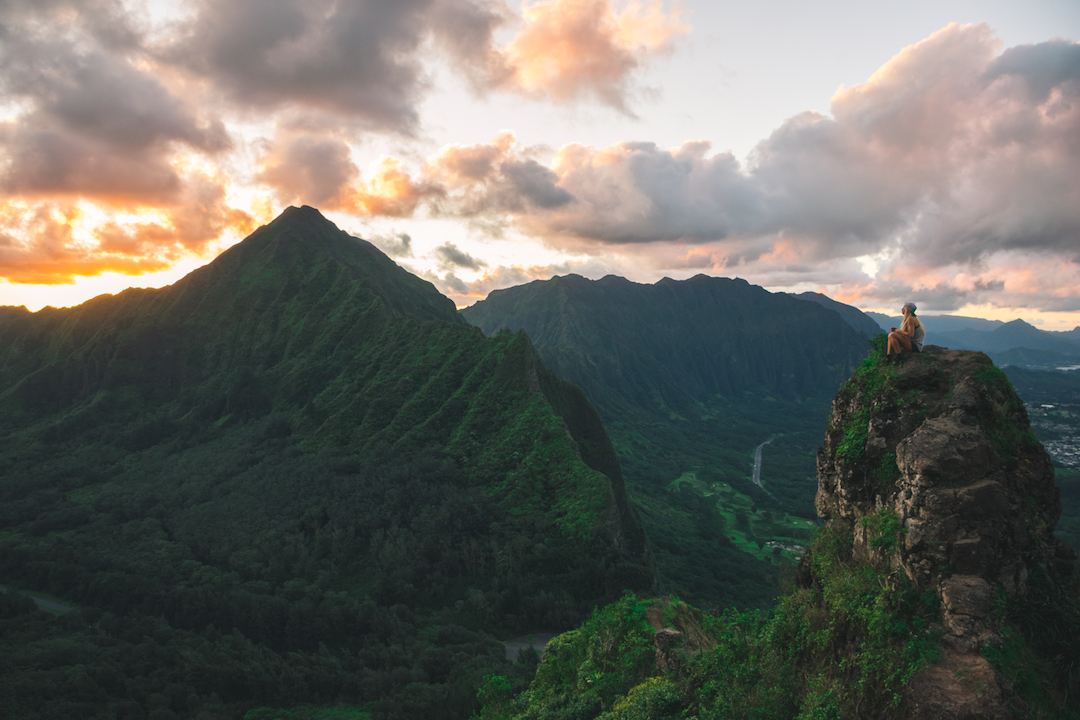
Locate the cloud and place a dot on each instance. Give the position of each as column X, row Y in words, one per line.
column 571, row 49
column 398, row 245
column 53, row 241
column 450, row 257
column 54, row 255
column 358, row 59
column 365, row 60
column 953, row 155
column 949, row 151
column 465, row 31
column 93, row 124
column 105, row 165
column 310, row 169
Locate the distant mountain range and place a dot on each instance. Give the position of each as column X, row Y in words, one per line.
column 1007, row 343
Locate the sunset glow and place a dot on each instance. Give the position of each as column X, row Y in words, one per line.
column 488, row 144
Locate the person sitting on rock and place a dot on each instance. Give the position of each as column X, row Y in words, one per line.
column 909, row 336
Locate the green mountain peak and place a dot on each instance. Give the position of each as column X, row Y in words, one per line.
column 301, row 457
column 302, row 248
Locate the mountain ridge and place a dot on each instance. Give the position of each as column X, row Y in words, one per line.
column 332, row 480
column 690, row 376
column 936, row 589
column 701, row 336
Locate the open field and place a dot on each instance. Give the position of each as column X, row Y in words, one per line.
column 767, row 534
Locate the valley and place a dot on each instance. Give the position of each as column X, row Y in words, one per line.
column 772, row 536
column 297, row 485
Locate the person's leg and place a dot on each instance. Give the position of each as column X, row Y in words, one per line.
column 898, row 343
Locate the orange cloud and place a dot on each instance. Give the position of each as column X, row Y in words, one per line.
column 54, row 255
column 318, row 170
column 391, row 191
column 573, row 48
column 50, row 242
column 309, row 169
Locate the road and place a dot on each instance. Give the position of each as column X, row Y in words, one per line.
column 757, row 463
column 42, row 602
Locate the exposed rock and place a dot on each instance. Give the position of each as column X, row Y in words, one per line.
column 666, row 640
column 960, row 687
column 949, row 450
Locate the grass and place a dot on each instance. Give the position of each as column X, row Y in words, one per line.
column 757, row 525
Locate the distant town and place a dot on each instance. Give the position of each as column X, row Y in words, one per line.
column 1058, row 427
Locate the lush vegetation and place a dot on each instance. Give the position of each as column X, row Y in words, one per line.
column 843, row 643
column 690, row 377
column 293, row 480
column 295, row 486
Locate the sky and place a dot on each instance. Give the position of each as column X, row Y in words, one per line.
column 875, row 152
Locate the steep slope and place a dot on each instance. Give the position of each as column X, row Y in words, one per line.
column 673, row 346
column 853, row 316
column 935, row 590
column 298, row 466
column 936, row 472
column 691, row 377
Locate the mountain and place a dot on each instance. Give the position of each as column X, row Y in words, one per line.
column 295, row 477
column 856, row 318
column 1026, row 357
column 669, row 348
column 691, row 377
column 939, row 323
column 936, row 588
column 1012, row 343
column 1018, row 334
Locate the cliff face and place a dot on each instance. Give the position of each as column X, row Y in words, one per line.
column 934, row 469
column 935, row 591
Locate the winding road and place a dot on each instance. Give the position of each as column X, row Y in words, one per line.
column 757, row 463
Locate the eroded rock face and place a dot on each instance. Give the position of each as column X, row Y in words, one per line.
column 943, row 442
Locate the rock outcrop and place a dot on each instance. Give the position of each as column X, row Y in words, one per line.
column 938, row 454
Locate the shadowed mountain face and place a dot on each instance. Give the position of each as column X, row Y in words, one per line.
column 936, row 588
column 303, row 445
column 691, row 377
column 856, row 318
column 672, row 347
